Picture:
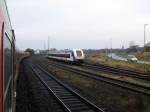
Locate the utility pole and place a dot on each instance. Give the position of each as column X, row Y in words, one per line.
column 48, row 42
column 44, row 46
column 106, row 49
column 144, row 35
column 144, row 40
column 111, row 46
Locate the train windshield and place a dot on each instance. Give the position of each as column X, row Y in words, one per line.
column 79, row 54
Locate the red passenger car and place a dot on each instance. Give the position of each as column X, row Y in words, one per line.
column 7, row 53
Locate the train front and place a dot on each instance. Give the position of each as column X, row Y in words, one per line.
column 79, row 55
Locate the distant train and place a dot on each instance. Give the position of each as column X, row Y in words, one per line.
column 74, row 56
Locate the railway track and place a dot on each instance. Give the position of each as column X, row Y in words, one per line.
column 118, row 71
column 69, row 100
column 123, row 84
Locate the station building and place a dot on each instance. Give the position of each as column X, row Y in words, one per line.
column 147, row 47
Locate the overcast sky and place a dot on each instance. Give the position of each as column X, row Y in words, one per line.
column 79, row 23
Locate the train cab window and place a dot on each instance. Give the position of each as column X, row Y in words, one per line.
column 79, row 54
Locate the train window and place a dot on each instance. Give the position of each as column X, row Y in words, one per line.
column 50, row 54
column 7, row 70
column 79, row 54
column 67, row 55
column 7, row 61
column 60, row 55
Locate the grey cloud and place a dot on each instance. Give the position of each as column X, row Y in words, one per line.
column 79, row 23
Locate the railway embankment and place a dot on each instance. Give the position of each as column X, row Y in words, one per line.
column 110, row 97
column 39, row 91
column 105, row 60
column 31, row 95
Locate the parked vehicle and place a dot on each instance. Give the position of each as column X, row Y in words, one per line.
column 132, row 58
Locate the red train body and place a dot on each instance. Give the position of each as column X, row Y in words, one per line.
column 7, row 42
column 1, row 61
column 9, row 60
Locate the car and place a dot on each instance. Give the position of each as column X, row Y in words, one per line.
column 132, row 58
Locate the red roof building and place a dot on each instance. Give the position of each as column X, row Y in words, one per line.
column 147, row 47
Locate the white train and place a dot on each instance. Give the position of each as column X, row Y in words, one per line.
column 75, row 56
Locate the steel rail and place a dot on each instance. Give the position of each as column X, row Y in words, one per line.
column 118, row 71
column 132, row 73
column 123, row 84
column 63, row 92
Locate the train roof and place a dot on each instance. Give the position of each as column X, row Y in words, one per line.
column 63, row 51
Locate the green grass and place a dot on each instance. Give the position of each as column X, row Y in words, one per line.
column 118, row 77
column 140, row 55
column 143, row 56
column 102, row 59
